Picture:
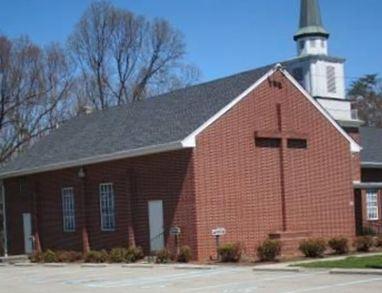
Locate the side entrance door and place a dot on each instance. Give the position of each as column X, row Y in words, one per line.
column 27, row 224
column 155, row 208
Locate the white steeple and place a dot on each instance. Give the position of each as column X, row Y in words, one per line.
column 311, row 37
column 320, row 74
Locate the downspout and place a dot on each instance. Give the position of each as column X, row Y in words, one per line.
column 5, row 236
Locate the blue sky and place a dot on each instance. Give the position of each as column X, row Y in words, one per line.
column 223, row 36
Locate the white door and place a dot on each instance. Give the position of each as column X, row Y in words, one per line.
column 156, row 225
column 27, row 223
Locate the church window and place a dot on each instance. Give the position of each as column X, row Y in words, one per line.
column 106, row 197
column 313, row 43
column 296, row 143
column 331, row 79
column 265, row 142
column 372, row 204
column 68, row 211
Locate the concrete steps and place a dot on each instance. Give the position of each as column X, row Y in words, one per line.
column 290, row 241
column 11, row 259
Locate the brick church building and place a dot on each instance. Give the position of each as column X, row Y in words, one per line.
column 272, row 152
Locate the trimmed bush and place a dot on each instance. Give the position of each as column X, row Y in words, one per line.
column 378, row 241
column 49, row 256
column 97, row 256
column 118, row 255
column 163, row 256
column 269, row 250
column 314, row 247
column 363, row 243
column 134, row 253
column 185, row 254
column 339, row 245
column 230, row 252
column 69, row 256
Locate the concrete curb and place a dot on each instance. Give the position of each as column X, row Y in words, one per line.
column 194, row 267
column 356, row 271
column 94, row 265
column 141, row 266
column 54, row 265
column 24, row 264
column 281, row 269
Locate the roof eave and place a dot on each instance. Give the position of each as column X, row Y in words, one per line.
column 172, row 146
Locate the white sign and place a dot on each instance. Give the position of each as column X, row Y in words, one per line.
column 218, row 232
column 175, row 231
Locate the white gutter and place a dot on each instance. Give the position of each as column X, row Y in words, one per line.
column 5, row 235
column 98, row 159
column 358, row 184
column 375, row 165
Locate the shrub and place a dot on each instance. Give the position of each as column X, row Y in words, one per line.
column 185, row 254
column 134, row 253
column 378, row 241
column 163, row 256
column 269, row 250
column 97, row 256
column 230, row 252
column 118, row 255
column 69, row 256
column 363, row 243
column 49, row 256
column 314, row 247
column 339, row 245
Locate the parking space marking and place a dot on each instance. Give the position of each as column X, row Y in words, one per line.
column 337, row 285
column 164, row 280
column 295, row 276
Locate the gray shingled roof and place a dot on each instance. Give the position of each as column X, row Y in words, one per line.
column 159, row 120
column 371, row 141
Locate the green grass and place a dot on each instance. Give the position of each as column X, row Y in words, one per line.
column 348, row 263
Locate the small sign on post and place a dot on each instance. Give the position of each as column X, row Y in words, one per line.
column 220, row 231
column 175, row 231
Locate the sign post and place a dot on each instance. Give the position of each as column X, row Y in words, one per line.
column 175, row 231
column 217, row 233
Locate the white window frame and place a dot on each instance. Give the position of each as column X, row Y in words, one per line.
column 68, row 209
column 107, row 206
column 372, row 210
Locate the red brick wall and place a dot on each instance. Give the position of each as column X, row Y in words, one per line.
column 238, row 184
column 166, row 176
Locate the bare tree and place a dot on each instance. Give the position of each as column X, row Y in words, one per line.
column 124, row 57
column 34, row 92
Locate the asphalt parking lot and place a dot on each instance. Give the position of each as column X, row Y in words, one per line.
column 114, row 278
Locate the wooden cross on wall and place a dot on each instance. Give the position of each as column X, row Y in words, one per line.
column 283, row 139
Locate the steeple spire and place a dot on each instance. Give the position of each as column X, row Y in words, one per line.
column 310, row 21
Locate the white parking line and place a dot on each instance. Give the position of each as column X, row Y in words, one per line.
column 164, row 280
column 295, row 276
column 345, row 284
